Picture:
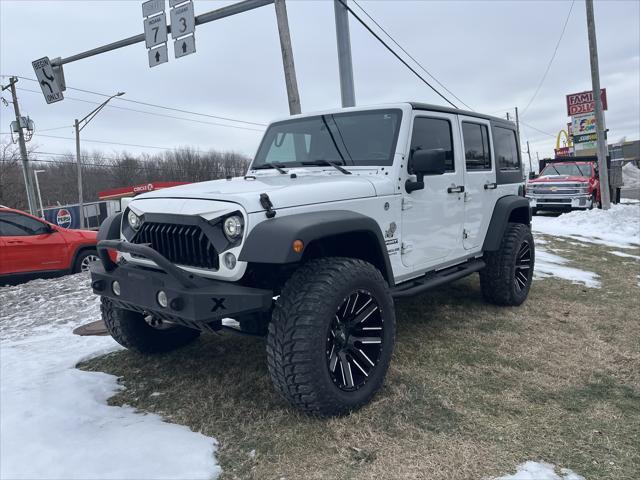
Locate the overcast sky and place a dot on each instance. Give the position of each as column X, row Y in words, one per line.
column 492, row 55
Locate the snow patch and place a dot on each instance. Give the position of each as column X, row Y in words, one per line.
column 630, row 176
column 540, row 471
column 617, row 227
column 626, row 255
column 550, row 265
column 55, row 422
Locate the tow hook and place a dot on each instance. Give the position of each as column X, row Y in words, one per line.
column 265, row 201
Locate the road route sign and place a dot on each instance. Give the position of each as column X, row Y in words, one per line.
column 155, row 30
column 158, row 55
column 184, row 46
column 183, row 21
column 47, row 80
column 151, row 7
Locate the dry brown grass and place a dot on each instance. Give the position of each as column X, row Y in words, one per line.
column 473, row 389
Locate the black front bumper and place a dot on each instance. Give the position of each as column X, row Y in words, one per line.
column 193, row 301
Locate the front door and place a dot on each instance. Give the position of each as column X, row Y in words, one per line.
column 480, row 193
column 29, row 245
column 432, row 217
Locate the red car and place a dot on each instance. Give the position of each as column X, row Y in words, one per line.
column 31, row 247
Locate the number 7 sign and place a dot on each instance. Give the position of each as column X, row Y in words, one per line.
column 155, row 30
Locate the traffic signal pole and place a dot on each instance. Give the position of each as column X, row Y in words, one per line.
column 603, row 173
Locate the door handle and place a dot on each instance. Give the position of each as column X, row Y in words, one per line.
column 15, row 241
column 490, row 186
column 456, row 189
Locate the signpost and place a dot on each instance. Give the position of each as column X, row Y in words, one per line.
column 183, row 27
column 47, row 80
column 155, row 30
column 158, row 55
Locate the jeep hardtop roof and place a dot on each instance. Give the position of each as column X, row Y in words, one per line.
column 457, row 111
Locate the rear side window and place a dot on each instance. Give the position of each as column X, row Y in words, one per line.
column 504, row 141
column 16, row 225
column 433, row 134
column 476, row 146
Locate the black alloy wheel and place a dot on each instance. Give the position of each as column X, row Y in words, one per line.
column 523, row 265
column 354, row 341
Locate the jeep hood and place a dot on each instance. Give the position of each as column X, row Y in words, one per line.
column 283, row 190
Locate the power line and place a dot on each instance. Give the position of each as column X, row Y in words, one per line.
column 553, row 56
column 409, row 55
column 395, row 54
column 150, row 113
column 537, row 129
column 152, row 104
column 108, row 142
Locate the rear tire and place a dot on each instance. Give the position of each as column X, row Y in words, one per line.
column 331, row 336
column 131, row 330
column 507, row 278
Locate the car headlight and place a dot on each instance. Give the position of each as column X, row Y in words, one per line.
column 134, row 220
column 232, row 227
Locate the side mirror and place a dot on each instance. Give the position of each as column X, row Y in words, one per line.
column 425, row 162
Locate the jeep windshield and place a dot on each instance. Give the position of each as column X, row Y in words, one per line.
column 365, row 138
column 571, row 169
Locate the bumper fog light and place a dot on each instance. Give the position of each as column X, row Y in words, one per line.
column 115, row 286
column 230, row 260
column 162, row 299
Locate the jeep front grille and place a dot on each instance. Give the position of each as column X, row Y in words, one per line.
column 182, row 244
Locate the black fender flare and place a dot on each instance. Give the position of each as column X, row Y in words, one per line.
column 271, row 240
column 506, row 208
column 110, row 227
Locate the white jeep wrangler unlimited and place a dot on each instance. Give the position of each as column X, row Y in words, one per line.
column 339, row 213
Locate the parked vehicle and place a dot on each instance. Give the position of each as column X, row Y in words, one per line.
column 339, row 213
column 31, row 247
column 566, row 185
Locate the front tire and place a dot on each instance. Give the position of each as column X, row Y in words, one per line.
column 84, row 260
column 331, row 336
column 131, row 330
column 507, row 278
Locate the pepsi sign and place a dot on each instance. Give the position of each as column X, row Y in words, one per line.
column 64, row 218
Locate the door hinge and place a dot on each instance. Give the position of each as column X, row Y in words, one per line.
column 465, row 234
column 406, row 247
column 406, row 203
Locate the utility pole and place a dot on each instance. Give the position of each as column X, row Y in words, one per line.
column 529, row 153
column 26, row 169
column 78, row 128
column 287, row 58
column 595, row 83
column 508, row 117
column 35, row 174
column 345, row 65
column 518, row 126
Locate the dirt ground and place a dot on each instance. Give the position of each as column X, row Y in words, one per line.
column 473, row 389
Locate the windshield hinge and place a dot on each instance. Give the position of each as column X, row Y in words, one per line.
column 265, row 201
column 406, row 203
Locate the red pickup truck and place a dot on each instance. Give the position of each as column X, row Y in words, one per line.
column 31, row 247
column 566, row 185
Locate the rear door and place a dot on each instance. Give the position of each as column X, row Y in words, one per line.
column 29, row 246
column 432, row 217
column 481, row 190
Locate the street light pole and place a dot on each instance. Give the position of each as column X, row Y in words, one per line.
column 35, row 174
column 78, row 128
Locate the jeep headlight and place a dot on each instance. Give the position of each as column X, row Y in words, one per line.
column 134, row 220
column 232, row 227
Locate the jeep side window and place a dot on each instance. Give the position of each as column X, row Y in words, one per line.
column 507, row 157
column 16, row 225
column 476, row 146
column 432, row 134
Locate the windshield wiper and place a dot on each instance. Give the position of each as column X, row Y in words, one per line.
column 580, row 170
column 329, row 164
column 277, row 166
